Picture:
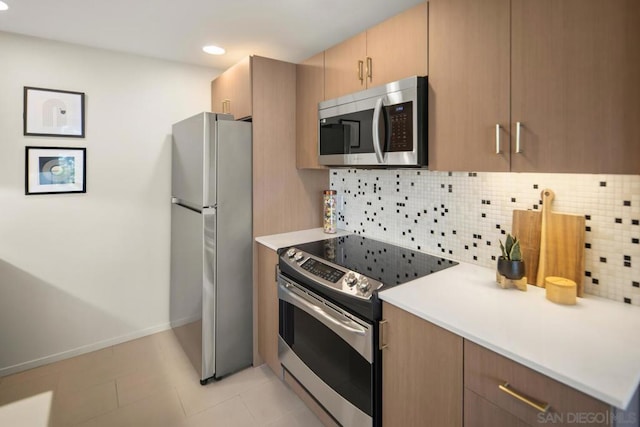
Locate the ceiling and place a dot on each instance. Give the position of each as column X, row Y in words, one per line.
column 288, row 30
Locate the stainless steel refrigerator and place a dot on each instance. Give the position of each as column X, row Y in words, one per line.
column 211, row 243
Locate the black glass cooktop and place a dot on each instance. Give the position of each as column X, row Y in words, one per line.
column 390, row 264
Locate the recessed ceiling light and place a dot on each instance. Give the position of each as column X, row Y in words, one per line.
column 213, row 50
column 3, row 6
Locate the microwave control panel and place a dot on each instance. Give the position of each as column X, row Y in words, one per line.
column 400, row 118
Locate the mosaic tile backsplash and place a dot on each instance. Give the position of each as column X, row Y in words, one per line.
column 463, row 215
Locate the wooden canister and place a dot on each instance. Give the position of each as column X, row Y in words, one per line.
column 561, row 290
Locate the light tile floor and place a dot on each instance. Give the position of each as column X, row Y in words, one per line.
column 146, row 382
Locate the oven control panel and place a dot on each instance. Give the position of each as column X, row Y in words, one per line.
column 333, row 276
column 322, row 270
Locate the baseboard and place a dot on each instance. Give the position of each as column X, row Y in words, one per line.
column 83, row 349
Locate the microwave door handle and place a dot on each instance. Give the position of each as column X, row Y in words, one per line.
column 377, row 146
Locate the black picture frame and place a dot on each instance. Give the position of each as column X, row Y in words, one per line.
column 55, row 170
column 52, row 112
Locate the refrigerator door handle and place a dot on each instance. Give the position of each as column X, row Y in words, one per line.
column 186, row 205
column 209, row 292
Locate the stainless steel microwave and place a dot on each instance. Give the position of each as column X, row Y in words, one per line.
column 377, row 127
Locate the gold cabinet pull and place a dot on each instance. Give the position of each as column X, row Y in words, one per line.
column 540, row 406
column 226, row 106
column 382, row 346
column 361, row 71
column 369, row 68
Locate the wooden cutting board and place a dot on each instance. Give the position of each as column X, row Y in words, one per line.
column 562, row 251
column 526, row 227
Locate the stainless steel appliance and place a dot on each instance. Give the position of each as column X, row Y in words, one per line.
column 329, row 318
column 211, row 243
column 382, row 126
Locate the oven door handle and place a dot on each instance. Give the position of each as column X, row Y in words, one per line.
column 294, row 294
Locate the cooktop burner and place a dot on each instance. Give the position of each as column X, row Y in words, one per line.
column 351, row 270
column 387, row 263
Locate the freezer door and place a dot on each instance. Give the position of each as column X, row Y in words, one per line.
column 193, row 177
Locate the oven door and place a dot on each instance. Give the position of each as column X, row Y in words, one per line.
column 329, row 351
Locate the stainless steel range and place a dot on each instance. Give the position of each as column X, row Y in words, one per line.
column 329, row 314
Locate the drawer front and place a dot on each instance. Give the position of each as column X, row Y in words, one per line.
column 479, row 412
column 485, row 371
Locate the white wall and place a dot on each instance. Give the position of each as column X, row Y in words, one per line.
column 82, row 271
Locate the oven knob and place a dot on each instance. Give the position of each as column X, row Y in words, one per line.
column 291, row 252
column 363, row 285
column 351, row 279
column 298, row 256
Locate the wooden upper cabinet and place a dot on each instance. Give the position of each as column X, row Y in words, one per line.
column 422, row 368
column 558, row 77
column 575, row 87
column 398, row 47
column 389, row 51
column 231, row 91
column 344, row 67
column 309, row 92
column 469, row 85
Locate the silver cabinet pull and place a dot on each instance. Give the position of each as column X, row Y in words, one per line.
column 497, row 139
column 518, row 125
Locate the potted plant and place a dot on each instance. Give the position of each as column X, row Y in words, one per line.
column 510, row 263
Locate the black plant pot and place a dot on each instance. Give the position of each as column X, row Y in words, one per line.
column 513, row 270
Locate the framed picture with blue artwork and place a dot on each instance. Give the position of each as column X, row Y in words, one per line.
column 50, row 112
column 52, row 170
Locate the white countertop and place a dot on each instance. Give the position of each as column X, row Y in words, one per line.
column 593, row 346
column 282, row 240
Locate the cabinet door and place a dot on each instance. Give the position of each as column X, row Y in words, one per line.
column 231, row 91
column 469, row 84
column 397, row 47
column 421, row 372
column 575, row 86
column 342, row 74
column 268, row 308
column 309, row 91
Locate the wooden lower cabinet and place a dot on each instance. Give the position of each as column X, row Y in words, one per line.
column 268, row 308
column 421, row 372
column 479, row 412
column 432, row 377
column 485, row 371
